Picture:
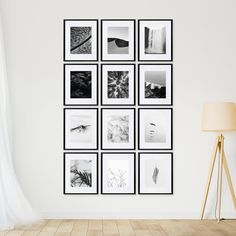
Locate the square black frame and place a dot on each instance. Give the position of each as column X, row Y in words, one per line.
column 171, row 104
column 123, row 108
column 134, row 157
column 172, row 179
column 64, row 41
column 171, row 109
column 64, row 173
column 134, row 55
column 64, row 85
column 101, row 84
column 171, row 20
column 64, row 121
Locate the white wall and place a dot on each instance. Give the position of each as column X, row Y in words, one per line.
column 204, row 70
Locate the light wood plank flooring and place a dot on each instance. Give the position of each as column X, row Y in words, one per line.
column 126, row 228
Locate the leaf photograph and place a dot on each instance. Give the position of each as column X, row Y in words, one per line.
column 80, row 173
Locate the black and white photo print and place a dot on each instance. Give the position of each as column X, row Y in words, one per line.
column 155, row 128
column 80, row 173
column 80, row 128
column 80, row 40
column 80, row 84
column 118, row 173
column 155, row 40
column 117, row 128
column 155, row 84
column 118, row 40
column 155, row 173
column 118, row 84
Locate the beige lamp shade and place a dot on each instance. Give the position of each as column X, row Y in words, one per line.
column 219, row 116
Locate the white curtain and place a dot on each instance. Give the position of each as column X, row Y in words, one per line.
column 14, row 208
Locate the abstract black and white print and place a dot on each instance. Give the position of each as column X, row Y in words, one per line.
column 155, row 84
column 118, row 40
column 155, row 40
column 80, row 128
column 81, row 173
column 155, row 129
column 118, row 129
column 81, row 40
column 118, row 84
column 81, row 84
column 118, row 173
column 155, row 173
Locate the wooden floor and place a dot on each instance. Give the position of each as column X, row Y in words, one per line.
column 126, row 228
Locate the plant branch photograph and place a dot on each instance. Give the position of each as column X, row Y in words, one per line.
column 117, row 121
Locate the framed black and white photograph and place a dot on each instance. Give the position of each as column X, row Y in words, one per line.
column 155, row 84
column 118, row 84
column 80, row 40
column 80, row 84
column 155, row 128
column 155, row 173
column 155, row 40
column 80, row 173
column 80, row 128
column 118, row 173
column 118, row 40
column 118, row 128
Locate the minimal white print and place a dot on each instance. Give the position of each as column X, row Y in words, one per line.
column 81, row 128
column 117, row 173
column 118, row 129
column 155, row 173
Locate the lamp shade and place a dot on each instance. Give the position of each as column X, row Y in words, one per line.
column 219, row 116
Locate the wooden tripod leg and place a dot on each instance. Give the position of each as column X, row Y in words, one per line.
column 227, row 173
column 213, row 158
column 220, row 177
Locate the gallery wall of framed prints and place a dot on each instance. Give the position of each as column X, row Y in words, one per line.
column 118, row 106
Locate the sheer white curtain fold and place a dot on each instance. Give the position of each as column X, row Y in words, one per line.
column 14, row 207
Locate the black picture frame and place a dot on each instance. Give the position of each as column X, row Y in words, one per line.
column 139, row 40
column 171, row 92
column 134, row 163
column 64, row 40
column 64, row 173
column 134, row 131
column 64, row 85
column 139, row 173
column 64, row 127
column 171, row 130
column 134, row 85
column 134, row 43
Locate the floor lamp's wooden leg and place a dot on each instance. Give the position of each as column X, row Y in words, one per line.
column 220, row 178
column 213, row 158
column 227, row 173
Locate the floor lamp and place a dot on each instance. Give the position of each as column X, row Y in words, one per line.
column 219, row 117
